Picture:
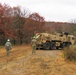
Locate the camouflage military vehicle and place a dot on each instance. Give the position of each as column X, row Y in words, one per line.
column 54, row 41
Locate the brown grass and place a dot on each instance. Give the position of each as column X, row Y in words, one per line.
column 70, row 53
column 22, row 62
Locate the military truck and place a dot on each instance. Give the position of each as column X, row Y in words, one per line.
column 54, row 41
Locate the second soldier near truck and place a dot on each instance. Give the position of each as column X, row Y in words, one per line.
column 33, row 44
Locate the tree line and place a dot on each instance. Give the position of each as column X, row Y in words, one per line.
column 19, row 25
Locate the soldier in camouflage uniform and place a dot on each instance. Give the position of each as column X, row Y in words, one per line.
column 8, row 46
column 33, row 44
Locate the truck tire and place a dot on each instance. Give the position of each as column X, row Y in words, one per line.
column 68, row 44
column 63, row 45
column 53, row 45
column 46, row 46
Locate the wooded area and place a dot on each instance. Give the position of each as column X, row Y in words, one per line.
column 19, row 25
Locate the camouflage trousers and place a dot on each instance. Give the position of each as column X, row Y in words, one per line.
column 8, row 51
column 33, row 49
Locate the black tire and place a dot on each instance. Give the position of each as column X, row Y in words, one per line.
column 68, row 44
column 46, row 46
column 53, row 45
column 63, row 45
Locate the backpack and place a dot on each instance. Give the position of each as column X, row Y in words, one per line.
column 7, row 44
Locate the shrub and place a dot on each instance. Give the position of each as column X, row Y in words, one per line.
column 70, row 53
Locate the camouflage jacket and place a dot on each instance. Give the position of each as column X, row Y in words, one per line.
column 8, row 45
column 33, row 42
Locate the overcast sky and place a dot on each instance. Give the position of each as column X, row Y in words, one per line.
column 51, row 10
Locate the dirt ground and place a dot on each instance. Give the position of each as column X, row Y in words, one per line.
column 44, row 62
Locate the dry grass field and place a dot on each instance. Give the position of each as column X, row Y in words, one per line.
column 44, row 62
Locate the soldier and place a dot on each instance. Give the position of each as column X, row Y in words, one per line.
column 33, row 44
column 8, row 46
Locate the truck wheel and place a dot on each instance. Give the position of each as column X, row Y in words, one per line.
column 46, row 46
column 68, row 44
column 52, row 45
column 63, row 45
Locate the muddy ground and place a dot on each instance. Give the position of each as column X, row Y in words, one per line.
column 44, row 62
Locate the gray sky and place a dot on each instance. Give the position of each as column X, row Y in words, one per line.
column 51, row 10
